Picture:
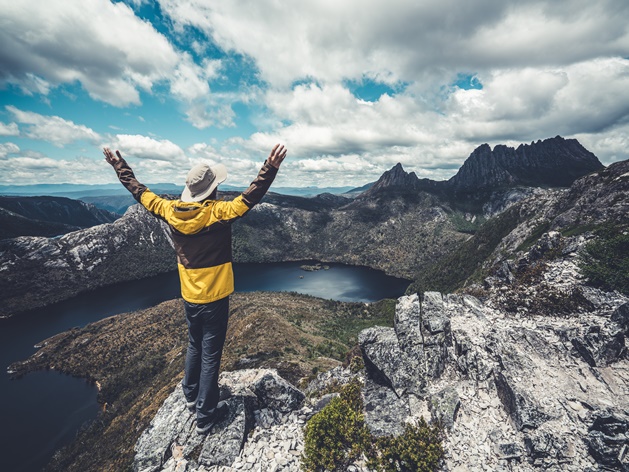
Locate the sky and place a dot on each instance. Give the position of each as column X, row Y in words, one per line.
column 351, row 87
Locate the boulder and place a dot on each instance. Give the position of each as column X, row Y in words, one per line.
column 608, row 439
column 600, row 346
column 387, row 363
column 523, row 410
column 620, row 316
column 444, row 406
column 385, row 412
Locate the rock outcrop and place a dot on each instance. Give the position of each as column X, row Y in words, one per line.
column 262, row 427
column 513, row 393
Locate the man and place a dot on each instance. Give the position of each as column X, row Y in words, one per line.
column 200, row 227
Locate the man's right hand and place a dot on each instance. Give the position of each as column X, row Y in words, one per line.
column 278, row 153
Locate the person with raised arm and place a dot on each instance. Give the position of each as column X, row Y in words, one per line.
column 200, row 227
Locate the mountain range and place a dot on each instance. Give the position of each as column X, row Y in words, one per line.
column 401, row 225
column 503, row 338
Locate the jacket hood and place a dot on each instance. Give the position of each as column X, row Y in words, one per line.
column 190, row 217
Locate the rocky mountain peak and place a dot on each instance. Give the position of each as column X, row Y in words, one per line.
column 396, row 178
column 555, row 162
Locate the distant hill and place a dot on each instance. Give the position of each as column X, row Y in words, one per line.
column 48, row 216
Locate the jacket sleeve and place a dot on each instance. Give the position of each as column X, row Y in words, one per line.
column 127, row 178
column 156, row 205
column 249, row 198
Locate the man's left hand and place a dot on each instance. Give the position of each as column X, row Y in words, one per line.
column 111, row 157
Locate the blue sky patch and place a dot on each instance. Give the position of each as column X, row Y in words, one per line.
column 370, row 91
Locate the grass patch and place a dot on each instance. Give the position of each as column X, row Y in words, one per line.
column 463, row 225
column 605, row 260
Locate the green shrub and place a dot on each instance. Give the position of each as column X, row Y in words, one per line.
column 337, row 436
column 605, row 260
column 418, row 449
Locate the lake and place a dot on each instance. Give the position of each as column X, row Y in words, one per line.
column 43, row 410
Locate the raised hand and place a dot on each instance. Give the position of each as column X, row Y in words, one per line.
column 278, row 153
column 111, row 157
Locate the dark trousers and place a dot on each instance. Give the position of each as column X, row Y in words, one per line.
column 207, row 327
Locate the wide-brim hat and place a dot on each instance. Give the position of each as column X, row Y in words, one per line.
column 202, row 180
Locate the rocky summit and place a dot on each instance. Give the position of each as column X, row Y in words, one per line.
column 515, row 390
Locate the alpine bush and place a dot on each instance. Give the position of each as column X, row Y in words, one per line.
column 337, row 436
column 605, row 260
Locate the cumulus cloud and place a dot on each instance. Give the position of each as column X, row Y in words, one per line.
column 545, row 69
column 100, row 44
column 52, row 129
column 144, row 147
column 10, row 129
column 27, row 167
column 405, row 40
column 8, row 148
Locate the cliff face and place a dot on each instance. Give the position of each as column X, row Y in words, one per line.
column 38, row 271
column 554, row 162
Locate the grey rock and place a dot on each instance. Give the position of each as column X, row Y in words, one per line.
column 444, row 406
column 523, row 410
column 509, row 451
column 470, row 360
column 336, row 377
column 387, row 363
column 546, row 444
column 153, row 447
column 277, row 394
column 324, row 401
column 608, row 439
column 385, row 412
column 600, row 345
column 226, row 439
column 620, row 316
column 255, row 395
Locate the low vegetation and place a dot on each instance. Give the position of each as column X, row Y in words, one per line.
column 464, row 263
column 605, row 259
column 337, row 436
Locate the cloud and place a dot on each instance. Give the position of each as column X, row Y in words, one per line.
column 100, row 44
column 545, row 69
column 8, row 148
column 143, row 147
column 28, row 167
column 405, row 40
column 52, row 129
column 10, row 129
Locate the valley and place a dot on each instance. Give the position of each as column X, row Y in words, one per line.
column 498, row 305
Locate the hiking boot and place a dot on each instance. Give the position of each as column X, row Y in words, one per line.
column 219, row 412
column 191, row 406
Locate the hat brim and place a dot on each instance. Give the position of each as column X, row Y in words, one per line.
column 220, row 175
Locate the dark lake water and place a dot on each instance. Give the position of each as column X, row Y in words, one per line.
column 43, row 410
